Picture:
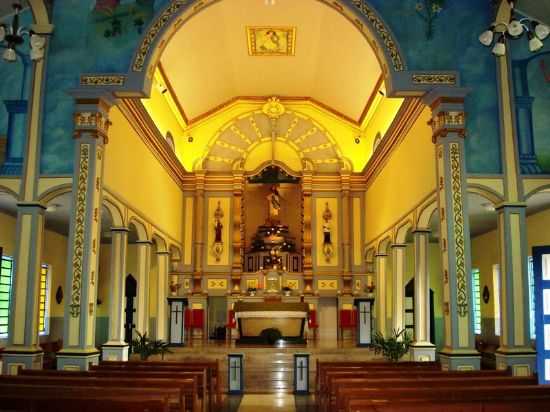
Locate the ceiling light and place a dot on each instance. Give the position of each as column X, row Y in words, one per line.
column 12, row 36
column 486, row 38
column 515, row 28
column 535, row 44
column 488, row 206
column 53, row 207
column 542, row 30
column 500, row 47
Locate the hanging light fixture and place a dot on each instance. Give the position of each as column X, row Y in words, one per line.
column 12, row 36
column 514, row 29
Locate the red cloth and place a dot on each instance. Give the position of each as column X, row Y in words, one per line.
column 348, row 319
column 312, row 320
column 188, row 319
column 198, row 318
column 231, row 321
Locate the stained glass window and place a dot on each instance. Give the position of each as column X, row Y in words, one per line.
column 6, row 273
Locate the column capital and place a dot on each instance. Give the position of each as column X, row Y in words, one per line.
column 163, row 253
column 144, row 242
column 91, row 116
column 31, row 205
column 379, row 255
column 421, row 231
column 446, row 96
column 398, row 245
column 510, row 205
column 120, row 229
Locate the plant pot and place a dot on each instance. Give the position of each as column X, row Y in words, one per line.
column 287, row 292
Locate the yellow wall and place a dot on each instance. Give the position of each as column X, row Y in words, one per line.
column 407, row 178
column 54, row 254
column 135, row 176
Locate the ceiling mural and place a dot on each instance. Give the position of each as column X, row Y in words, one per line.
column 271, row 41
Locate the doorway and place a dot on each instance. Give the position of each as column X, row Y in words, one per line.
column 130, row 310
column 328, row 319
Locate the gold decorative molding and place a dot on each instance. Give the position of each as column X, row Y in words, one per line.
column 217, row 284
column 153, row 31
column 102, row 80
column 273, row 108
column 271, row 41
column 78, row 245
column 327, row 284
column 92, row 122
column 434, row 78
column 446, row 122
column 458, row 228
column 383, row 32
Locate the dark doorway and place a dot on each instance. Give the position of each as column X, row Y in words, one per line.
column 130, row 294
column 409, row 311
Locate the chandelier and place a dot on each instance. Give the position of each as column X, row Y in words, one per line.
column 514, row 29
column 12, row 36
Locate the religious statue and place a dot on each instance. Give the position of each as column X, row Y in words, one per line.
column 217, row 245
column 274, row 204
column 328, row 249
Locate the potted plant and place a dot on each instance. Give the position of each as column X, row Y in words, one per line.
column 145, row 346
column 394, row 347
column 287, row 291
column 251, row 291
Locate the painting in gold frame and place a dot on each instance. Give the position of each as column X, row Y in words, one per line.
column 271, row 41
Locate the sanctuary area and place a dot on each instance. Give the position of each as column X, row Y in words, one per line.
column 222, row 205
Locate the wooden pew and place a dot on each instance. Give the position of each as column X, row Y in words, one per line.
column 212, row 370
column 408, row 395
column 199, row 397
column 414, row 405
column 74, row 398
column 410, row 373
column 342, row 388
column 187, row 402
column 323, row 367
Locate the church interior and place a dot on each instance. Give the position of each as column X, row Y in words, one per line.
column 295, row 205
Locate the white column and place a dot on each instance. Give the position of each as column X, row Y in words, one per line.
column 398, row 292
column 422, row 349
column 143, row 268
column 116, row 348
column 380, row 303
column 163, row 259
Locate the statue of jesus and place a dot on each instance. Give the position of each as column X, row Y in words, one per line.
column 274, row 204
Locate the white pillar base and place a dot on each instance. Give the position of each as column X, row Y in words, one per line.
column 521, row 364
column 12, row 361
column 422, row 352
column 76, row 361
column 115, row 351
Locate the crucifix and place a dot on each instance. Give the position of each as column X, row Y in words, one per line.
column 176, row 311
column 364, row 312
column 234, row 368
column 301, row 368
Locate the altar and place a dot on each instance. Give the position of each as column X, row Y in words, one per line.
column 290, row 318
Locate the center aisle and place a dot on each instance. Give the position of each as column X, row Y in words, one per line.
column 281, row 402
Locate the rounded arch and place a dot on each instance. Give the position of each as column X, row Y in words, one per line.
column 486, row 192
column 369, row 254
column 175, row 15
column 425, row 215
column 54, row 192
column 175, row 253
column 116, row 214
column 384, row 245
column 402, row 231
column 141, row 229
column 161, row 244
column 536, row 190
column 5, row 189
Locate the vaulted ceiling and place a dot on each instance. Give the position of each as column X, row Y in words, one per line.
column 207, row 62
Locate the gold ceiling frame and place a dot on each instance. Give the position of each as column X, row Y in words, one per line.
column 264, row 41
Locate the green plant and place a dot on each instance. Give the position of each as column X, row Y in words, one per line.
column 271, row 335
column 394, row 347
column 145, row 346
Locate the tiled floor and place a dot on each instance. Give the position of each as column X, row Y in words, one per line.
column 276, row 402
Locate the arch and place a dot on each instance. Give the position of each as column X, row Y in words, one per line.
column 160, row 242
column 40, row 14
column 384, row 245
column 167, row 22
column 116, row 214
column 486, row 192
column 535, row 191
column 5, row 189
column 425, row 215
column 369, row 255
column 54, row 192
column 401, row 233
column 141, row 229
column 175, row 253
